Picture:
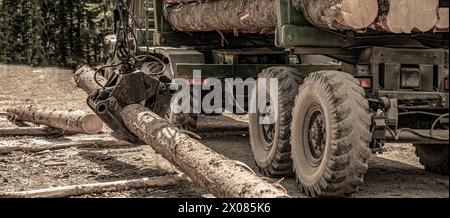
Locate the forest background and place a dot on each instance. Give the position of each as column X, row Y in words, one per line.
column 53, row 32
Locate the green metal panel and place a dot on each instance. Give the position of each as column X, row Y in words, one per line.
column 289, row 36
column 294, row 30
column 287, row 14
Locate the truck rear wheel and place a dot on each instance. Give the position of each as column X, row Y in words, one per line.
column 330, row 134
column 433, row 157
column 270, row 142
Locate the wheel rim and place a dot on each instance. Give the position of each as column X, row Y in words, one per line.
column 314, row 135
column 267, row 129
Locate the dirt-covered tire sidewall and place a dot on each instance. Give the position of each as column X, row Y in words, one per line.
column 275, row 162
column 262, row 157
column 309, row 99
column 346, row 116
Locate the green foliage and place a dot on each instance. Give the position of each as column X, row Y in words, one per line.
column 53, row 32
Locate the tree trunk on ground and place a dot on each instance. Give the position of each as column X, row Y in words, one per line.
column 77, row 190
column 64, row 145
column 255, row 16
column 339, row 14
column 72, row 121
column 406, row 16
column 174, row 2
column 221, row 176
column 31, row 131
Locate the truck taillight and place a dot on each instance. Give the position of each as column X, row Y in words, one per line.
column 365, row 83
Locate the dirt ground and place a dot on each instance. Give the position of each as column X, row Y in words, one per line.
column 395, row 173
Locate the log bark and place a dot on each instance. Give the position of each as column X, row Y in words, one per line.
column 406, row 16
column 77, row 190
column 72, row 121
column 259, row 16
column 339, row 14
column 86, row 73
column 175, row 2
column 221, row 176
column 443, row 20
column 59, row 146
column 251, row 16
column 32, row 131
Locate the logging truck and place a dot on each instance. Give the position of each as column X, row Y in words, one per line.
column 345, row 87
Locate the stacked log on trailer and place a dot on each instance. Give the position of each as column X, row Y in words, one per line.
column 260, row 16
column 339, row 14
column 406, row 16
column 255, row 16
column 443, row 20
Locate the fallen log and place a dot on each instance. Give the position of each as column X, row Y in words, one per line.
column 253, row 16
column 95, row 188
column 174, row 2
column 221, row 176
column 32, row 131
column 406, row 16
column 339, row 14
column 64, row 145
column 73, row 121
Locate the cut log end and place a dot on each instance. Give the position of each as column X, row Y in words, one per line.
column 91, row 124
column 359, row 14
column 407, row 16
column 72, row 121
column 443, row 20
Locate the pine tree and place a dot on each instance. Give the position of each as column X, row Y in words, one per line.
column 37, row 54
column 2, row 31
column 60, row 32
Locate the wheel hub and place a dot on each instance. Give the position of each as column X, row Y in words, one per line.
column 268, row 125
column 316, row 135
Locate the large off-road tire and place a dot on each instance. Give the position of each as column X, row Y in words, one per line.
column 433, row 157
column 330, row 134
column 270, row 143
column 160, row 104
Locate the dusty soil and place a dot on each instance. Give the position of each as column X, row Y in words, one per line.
column 395, row 173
